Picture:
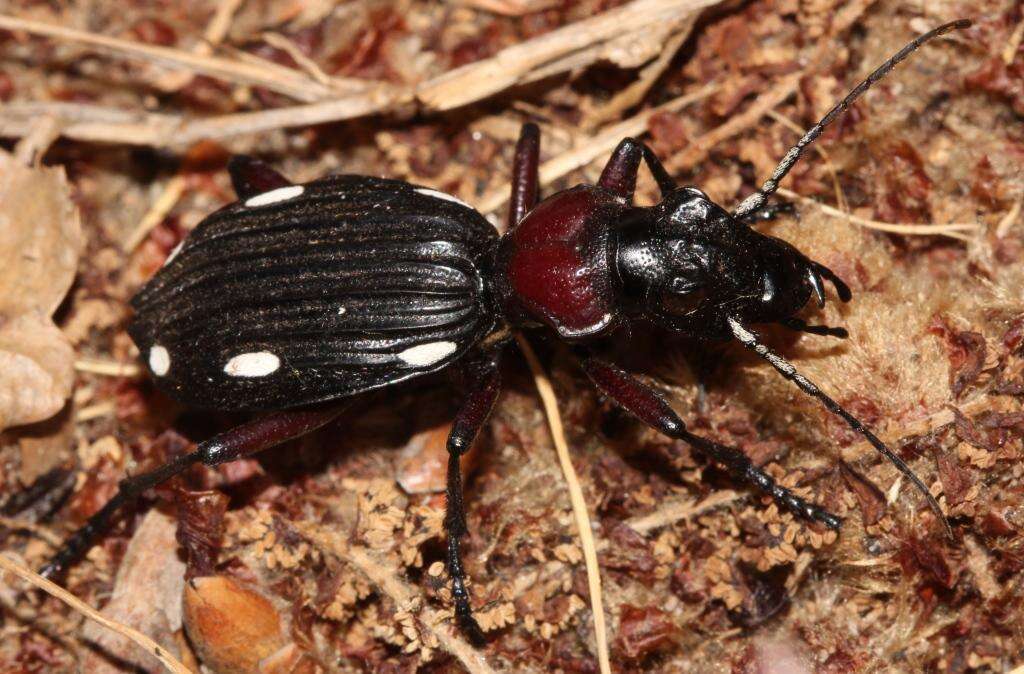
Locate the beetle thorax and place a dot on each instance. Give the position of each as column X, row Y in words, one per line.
column 557, row 266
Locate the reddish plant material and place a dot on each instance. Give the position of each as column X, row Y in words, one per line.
column 1005, row 82
column 154, row 31
column 6, row 87
column 927, row 557
column 987, row 186
column 966, row 351
column 365, row 55
column 905, row 186
column 486, row 43
column 689, row 586
column 629, row 552
column 956, row 480
column 870, row 498
column 1014, row 335
column 996, row 524
column 644, row 630
column 989, row 430
column 668, row 133
column 201, row 529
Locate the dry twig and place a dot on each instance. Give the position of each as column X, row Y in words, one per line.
column 681, row 509
column 954, row 230
column 579, row 505
column 54, row 590
column 589, row 149
column 270, row 75
column 107, row 368
column 613, row 35
column 168, row 198
column 556, row 52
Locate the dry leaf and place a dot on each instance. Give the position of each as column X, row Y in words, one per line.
column 146, row 597
column 40, row 240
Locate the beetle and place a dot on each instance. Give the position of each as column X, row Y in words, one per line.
column 298, row 296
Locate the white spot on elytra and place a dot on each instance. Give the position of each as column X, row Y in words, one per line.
column 174, row 252
column 256, row 364
column 427, row 192
column 159, row 360
column 341, row 311
column 274, row 196
column 427, row 354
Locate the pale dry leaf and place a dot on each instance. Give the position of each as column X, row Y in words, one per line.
column 146, row 596
column 40, row 237
column 40, row 241
column 36, row 369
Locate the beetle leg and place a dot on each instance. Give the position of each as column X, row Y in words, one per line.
column 525, row 174
column 250, row 176
column 786, row 369
column 619, row 174
column 824, row 330
column 769, row 212
column 645, row 404
column 468, row 422
column 249, row 438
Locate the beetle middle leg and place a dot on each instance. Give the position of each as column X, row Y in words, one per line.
column 470, row 419
column 249, row 438
column 645, row 404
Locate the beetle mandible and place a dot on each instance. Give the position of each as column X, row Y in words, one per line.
column 296, row 296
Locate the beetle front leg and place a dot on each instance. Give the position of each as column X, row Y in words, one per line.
column 769, row 212
column 249, row 438
column 619, row 174
column 468, row 422
column 644, row 403
column 525, row 174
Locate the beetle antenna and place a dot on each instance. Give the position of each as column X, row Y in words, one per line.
column 757, row 200
column 786, row 369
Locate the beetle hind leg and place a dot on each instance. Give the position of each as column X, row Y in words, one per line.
column 525, row 174
column 644, row 403
column 249, row 438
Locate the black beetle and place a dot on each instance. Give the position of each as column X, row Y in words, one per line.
column 298, row 295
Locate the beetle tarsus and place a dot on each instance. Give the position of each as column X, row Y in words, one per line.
column 645, row 404
column 786, row 369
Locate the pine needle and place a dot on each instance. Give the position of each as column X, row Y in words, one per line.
column 54, row 590
column 964, row 231
column 579, row 505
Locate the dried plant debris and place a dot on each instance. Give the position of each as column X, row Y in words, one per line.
column 40, row 241
column 327, row 555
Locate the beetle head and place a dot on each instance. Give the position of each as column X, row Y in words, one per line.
column 688, row 265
